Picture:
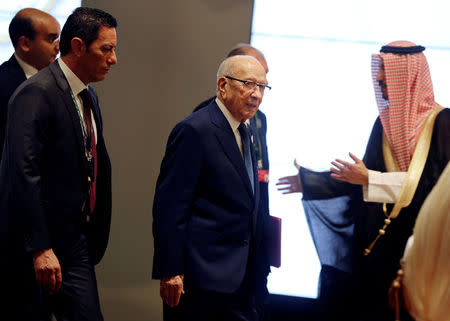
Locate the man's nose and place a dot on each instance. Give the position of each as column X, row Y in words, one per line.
column 112, row 59
column 258, row 92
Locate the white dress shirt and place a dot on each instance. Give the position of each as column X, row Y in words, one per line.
column 28, row 69
column 383, row 187
column 233, row 123
column 77, row 86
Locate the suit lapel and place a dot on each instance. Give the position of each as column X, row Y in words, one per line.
column 96, row 110
column 227, row 140
column 66, row 95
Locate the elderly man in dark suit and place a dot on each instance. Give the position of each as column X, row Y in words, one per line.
column 258, row 126
column 206, row 224
column 35, row 37
column 55, row 177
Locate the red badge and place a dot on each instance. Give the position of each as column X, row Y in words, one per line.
column 263, row 175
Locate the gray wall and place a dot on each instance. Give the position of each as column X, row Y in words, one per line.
column 168, row 53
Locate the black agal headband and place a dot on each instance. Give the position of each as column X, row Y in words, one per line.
column 402, row 50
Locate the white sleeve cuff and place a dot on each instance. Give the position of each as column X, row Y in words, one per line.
column 383, row 187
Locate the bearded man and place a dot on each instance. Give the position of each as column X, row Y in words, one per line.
column 407, row 151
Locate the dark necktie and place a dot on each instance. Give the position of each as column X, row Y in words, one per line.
column 245, row 137
column 91, row 148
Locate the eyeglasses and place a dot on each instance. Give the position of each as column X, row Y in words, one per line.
column 251, row 85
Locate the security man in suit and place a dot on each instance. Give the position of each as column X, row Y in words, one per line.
column 55, row 177
column 35, row 37
column 206, row 224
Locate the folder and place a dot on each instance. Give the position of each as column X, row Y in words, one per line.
column 274, row 237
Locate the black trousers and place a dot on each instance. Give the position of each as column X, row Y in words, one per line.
column 247, row 303
column 203, row 305
column 77, row 300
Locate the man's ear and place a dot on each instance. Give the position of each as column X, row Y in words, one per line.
column 78, row 46
column 24, row 44
column 221, row 83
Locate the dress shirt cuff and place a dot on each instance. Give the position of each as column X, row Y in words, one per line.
column 383, row 187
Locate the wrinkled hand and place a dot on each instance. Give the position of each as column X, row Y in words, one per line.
column 171, row 289
column 47, row 270
column 356, row 173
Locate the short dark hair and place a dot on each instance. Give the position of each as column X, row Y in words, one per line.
column 21, row 26
column 85, row 24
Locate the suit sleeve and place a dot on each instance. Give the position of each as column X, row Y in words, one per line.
column 175, row 192
column 442, row 137
column 26, row 137
column 320, row 185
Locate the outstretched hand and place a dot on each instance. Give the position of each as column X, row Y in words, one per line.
column 356, row 173
column 290, row 184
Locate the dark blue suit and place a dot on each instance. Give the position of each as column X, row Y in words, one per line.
column 205, row 216
column 258, row 125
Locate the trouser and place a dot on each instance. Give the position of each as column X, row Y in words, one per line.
column 245, row 304
column 77, row 299
column 203, row 305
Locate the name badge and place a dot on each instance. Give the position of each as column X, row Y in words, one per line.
column 263, row 175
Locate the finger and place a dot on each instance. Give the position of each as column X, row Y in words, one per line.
column 58, row 279
column 45, row 281
column 335, row 171
column 356, row 159
column 283, row 188
column 178, row 296
column 296, row 164
column 163, row 293
column 39, row 277
column 338, row 177
column 173, row 294
column 338, row 166
column 343, row 162
column 51, row 282
column 169, row 295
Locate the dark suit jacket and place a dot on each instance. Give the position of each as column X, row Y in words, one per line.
column 258, row 124
column 43, row 174
column 11, row 76
column 205, row 216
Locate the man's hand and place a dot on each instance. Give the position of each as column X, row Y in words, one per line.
column 171, row 289
column 291, row 184
column 356, row 173
column 47, row 270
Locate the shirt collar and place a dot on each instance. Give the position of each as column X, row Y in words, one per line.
column 28, row 69
column 76, row 85
column 231, row 120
